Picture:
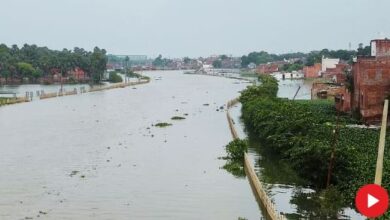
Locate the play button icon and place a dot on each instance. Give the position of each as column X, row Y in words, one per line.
column 372, row 200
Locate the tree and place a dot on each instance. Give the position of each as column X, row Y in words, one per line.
column 26, row 69
column 364, row 51
column 37, row 74
column 186, row 60
column 217, row 64
column 115, row 78
column 98, row 64
column 158, row 61
column 223, row 57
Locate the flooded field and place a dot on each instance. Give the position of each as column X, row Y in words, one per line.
column 98, row 155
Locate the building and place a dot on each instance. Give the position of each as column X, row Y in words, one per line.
column 371, row 83
column 329, row 63
column 312, row 71
column 336, row 74
column 380, row 48
column 268, row 68
column 78, row 74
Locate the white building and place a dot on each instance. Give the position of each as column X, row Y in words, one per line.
column 329, row 63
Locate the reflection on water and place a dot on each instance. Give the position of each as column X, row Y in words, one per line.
column 97, row 155
column 289, row 87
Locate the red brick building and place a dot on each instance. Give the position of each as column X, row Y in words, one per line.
column 267, row 68
column 78, row 74
column 371, row 86
column 312, row 71
column 337, row 74
column 371, row 83
column 380, row 48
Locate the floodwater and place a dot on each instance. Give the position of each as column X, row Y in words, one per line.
column 98, row 155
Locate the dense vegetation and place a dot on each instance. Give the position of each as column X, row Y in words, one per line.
column 307, row 59
column 32, row 62
column 161, row 62
column 304, row 133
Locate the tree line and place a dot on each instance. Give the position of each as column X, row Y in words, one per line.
column 308, row 59
column 32, row 62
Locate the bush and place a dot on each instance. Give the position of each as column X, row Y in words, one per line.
column 236, row 149
column 115, row 78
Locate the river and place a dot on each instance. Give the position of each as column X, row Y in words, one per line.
column 97, row 155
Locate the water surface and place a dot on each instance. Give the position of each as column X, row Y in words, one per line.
column 98, row 155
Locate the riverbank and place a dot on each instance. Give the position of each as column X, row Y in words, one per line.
column 301, row 133
column 237, row 149
column 46, row 95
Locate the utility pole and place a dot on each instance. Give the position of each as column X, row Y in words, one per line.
column 381, row 147
column 299, row 88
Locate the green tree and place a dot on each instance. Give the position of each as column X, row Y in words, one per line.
column 158, row 61
column 26, row 69
column 217, row 64
column 186, row 60
column 98, row 64
column 115, row 78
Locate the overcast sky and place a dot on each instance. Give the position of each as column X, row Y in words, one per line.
column 177, row 28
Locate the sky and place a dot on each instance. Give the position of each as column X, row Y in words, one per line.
column 178, row 28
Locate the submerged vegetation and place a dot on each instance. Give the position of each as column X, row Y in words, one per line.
column 304, row 134
column 163, row 125
column 235, row 151
column 177, row 118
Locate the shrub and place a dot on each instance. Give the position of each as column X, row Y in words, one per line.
column 115, row 78
column 235, row 149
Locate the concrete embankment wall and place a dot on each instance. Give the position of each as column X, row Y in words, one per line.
column 11, row 101
column 42, row 95
column 94, row 89
column 257, row 186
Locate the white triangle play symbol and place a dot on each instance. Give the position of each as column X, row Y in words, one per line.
column 371, row 200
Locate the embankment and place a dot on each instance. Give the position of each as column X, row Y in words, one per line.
column 258, row 189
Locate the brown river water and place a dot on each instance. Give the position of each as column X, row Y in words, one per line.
column 98, row 155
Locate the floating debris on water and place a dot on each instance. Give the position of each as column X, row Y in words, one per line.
column 162, row 124
column 177, row 118
column 74, row 172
